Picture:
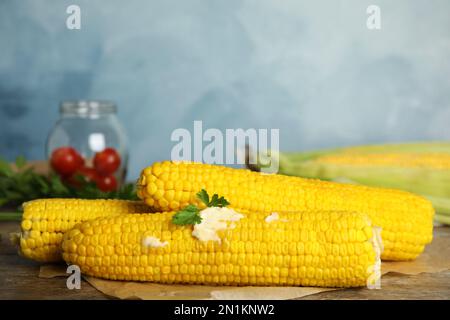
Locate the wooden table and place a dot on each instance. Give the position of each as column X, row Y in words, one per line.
column 19, row 280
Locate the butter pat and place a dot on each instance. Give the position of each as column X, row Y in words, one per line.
column 374, row 279
column 214, row 219
column 273, row 217
column 153, row 242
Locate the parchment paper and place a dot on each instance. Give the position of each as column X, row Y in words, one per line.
column 436, row 258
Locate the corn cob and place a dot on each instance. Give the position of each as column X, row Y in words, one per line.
column 329, row 249
column 44, row 222
column 405, row 219
column 422, row 168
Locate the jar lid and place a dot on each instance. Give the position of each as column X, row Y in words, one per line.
column 87, row 107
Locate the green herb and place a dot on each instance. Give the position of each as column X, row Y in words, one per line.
column 24, row 184
column 203, row 196
column 10, row 216
column 218, row 202
column 215, row 200
column 191, row 213
column 21, row 162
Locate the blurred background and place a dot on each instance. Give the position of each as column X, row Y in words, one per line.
column 310, row 68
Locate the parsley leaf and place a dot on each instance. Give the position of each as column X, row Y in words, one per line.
column 191, row 213
column 215, row 200
column 203, row 196
column 5, row 169
column 21, row 162
column 188, row 215
column 218, row 202
column 222, row 202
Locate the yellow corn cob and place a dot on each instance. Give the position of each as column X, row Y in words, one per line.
column 45, row 221
column 330, row 249
column 405, row 219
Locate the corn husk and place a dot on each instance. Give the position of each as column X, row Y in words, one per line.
column 432, row 182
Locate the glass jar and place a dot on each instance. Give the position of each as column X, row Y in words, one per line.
column 90, row 127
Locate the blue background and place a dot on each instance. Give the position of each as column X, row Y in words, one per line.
column 310, row 68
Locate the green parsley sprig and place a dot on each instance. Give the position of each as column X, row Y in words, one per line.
column 24, row 184
column 191, row 213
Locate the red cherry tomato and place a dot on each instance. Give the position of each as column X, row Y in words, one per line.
column 107, row 161
column 66, row 161
column 89, row 173
column 106, row 183
column 71, row 181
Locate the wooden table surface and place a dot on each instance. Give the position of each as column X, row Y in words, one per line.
column 19, row 280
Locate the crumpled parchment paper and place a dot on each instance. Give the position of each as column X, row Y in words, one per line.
column 436, row 258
